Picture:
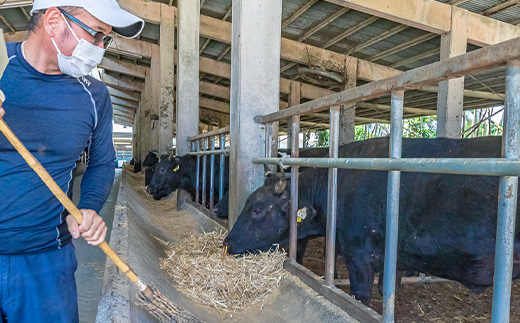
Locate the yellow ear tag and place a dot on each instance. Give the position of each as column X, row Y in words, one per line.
column 302, row 214
column 176, row 169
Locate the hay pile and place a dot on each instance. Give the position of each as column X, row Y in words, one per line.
column 224, row 282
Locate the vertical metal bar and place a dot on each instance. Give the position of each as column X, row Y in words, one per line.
column 332, row 198
column 295, row 153
column 392, row 208
column 212, row 176
column 268, row 139
column 507, row 200
column 222, row 165
column 197, row 177
column 204, row 173
column 274, row 139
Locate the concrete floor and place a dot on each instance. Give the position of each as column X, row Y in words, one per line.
column 91, row 260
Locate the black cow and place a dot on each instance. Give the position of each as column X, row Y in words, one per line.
column 447, row 223
column 222, row 208
column 136, row 162
column 149, row 164
column 180, row 172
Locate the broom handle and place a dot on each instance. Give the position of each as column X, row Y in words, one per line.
column 64, row 199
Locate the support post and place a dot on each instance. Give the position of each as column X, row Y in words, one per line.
column 204, row 172
column 347, row 115
column 188, row 73
column 255, row 88
column 222, row 166
column 392, row 208
column 450, row 98
column 212, row 176
column 167, row 65
column 155, row 98
column 295, row 153
column 145, row 122
column 136, row 133
column 332, row 198
column 507, row 200
column 294, row 99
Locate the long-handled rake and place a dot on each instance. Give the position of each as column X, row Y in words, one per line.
column 158, row 305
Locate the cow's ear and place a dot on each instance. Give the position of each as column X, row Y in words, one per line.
column 305, row 212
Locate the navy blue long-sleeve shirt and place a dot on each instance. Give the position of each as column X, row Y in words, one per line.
column 55, row 117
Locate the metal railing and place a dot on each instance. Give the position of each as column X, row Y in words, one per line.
column 508, row 168
column 202, row 146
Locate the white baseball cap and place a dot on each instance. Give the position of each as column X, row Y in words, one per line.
column 108, row 11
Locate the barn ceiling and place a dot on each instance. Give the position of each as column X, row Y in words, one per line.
column 321, row 24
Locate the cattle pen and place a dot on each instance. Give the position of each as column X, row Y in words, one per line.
column 287, row 126
column 508, row 168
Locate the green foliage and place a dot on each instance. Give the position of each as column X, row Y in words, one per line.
column 424, row 127
column 323, row 138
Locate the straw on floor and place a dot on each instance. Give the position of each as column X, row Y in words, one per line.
column 225, row 282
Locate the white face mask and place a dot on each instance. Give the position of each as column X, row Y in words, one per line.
column 84, row 58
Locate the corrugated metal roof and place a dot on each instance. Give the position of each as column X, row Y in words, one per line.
column 415, row 55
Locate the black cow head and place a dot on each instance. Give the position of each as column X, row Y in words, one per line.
column 166, row 178
column 151, row 159
column 264, row 222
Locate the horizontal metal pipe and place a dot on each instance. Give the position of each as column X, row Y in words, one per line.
column 220, row 131
column 461, row 166
column 404, row 280
column 210, row 152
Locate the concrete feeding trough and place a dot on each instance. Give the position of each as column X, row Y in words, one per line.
column 142, row 230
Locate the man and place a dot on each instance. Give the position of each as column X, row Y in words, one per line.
column 56, row 110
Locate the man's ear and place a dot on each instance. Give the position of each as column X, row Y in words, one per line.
column 52, row 21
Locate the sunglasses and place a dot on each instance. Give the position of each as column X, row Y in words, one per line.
column 97, row 36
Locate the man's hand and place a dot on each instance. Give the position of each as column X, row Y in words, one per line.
column 93, row 228
column 1, row 110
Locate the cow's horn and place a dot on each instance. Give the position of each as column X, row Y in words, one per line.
column 267, row 170
column 280, row 186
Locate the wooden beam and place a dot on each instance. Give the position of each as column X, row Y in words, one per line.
column 123, row 94
column 124, row 103
column 123, row 122
column 218, row 91
column 123, row 109
column 402, row 46
column 125, row 46
column 435, row 17
column 123, row 115
column 500, row 7
column 298, row 13
column 376, row 39
column 322, row 24
column 416, row 58
column 476, row 61
column 120, row 67
column 350, row 31
column 15, row 37
column 214, row 105
column 150, row 11
column 122, row 83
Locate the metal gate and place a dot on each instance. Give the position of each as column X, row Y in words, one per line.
column 508, row 168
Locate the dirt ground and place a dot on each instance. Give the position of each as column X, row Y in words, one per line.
column 431, row 302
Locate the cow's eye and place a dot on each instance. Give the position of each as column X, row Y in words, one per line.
column 162, row 170
column 257, row 211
